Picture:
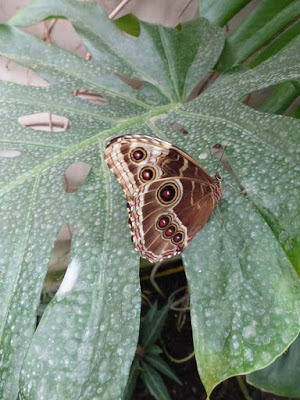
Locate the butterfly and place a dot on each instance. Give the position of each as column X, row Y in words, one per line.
column 170, row 197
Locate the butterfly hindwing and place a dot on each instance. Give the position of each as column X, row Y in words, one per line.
column 161, row 230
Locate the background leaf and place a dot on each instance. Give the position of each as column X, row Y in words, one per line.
column 281, row 98
column 154, row 382
column 258, row 28
column 129, row 24
column 160, row 365
column 133, row 377
column 152, row 325
column 221, row 11
column 281, row 377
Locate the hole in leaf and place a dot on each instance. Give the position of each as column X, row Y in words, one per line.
column 91, row 97
column 256, row 99
column 69, row 280
column 136, row 84
column 278, row 99
column 129, row 24
column 45, row 122
column 179, row 128
column 61, row 33
column 75, row 175
column 9, row 153
column 57, row 267
column 203, row 85
column 13, row 72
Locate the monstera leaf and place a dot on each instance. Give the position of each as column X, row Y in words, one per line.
column 243, row 286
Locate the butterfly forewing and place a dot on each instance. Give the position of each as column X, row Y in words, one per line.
column 170, row 196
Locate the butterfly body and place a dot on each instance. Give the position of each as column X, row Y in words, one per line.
column 170, row 197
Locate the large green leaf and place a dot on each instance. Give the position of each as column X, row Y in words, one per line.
column 262, row 32
column 264, row 22
column 244, row 289
column 221, row 11
column 285, row 38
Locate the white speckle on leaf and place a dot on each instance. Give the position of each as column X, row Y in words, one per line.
column 249, row 331
column 202, row 156
column 248, row 354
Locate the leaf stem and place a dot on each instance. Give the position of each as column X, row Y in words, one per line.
column 243, row 388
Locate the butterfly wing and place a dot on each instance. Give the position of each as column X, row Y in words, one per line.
column 161, row 230
column 170, row 196
column 129, row 156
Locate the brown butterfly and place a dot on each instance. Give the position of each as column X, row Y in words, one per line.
column 170, row 197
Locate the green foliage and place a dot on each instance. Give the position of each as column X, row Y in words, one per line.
column 149, row 365
column 265, row 30
column 129, row 24
column 244, row 290
column 152, row 325
column 132, row 379
column 283, row 95
column 260, row 27
column 282, row 376
column 154, row 382
column 221, row 11
column 160, row 365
